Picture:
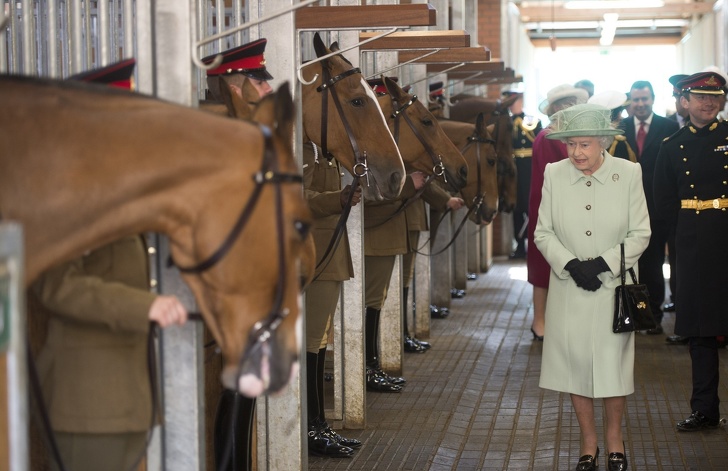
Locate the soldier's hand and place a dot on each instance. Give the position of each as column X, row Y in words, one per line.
column 167, row 310
column 455, row 203
column 344, row 196
column 418, row 179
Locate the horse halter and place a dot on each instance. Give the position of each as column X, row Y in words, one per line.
column 268, row 174
column 480, row 195
column 438, row 168
column 360, row 168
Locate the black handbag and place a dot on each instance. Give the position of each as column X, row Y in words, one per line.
column 632, row 310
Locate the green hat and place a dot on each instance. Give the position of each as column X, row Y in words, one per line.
column 587, row 120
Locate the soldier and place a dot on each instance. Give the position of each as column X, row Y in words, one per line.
column 246, row 62
column 691, row 191
column 525, row 130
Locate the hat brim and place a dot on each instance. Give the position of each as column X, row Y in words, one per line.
column 258, row 74
column 584, row 133
column 579, row 94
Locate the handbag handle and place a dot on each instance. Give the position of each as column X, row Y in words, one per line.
column 631, row 270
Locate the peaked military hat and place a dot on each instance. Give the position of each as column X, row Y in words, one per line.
column 118, row 74
column 247, row 59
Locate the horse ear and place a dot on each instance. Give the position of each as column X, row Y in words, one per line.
column 394, row 90
column 509, row 101
column 334, row 46
column 479, row 123
column 319, row 46
column 284, row 112
column 490, row 128
column 232, row 96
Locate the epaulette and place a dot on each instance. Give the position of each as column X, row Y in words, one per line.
column 679, row 132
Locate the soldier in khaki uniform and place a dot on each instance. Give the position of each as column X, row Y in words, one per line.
column 93, row 366
column 326, row 198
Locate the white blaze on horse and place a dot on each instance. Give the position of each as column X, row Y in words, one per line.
column 83, row 165
column 341, row 115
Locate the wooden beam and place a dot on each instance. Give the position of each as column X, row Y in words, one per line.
column 448, row 56
column 541, row 12
column 632, row 41
column 467, row 69
column 366, row 16
column 416, row 40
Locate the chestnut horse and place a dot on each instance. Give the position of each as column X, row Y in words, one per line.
column 83, row 165
column 466, row 109
column 478, row 147
column 341, row 115
column 423, row 144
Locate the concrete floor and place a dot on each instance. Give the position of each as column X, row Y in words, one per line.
column 473, row 403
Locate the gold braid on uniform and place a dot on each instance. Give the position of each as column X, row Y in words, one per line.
column 525, row 129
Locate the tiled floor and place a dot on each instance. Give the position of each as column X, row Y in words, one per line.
column 473, row 403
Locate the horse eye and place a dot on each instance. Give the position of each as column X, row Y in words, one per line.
column 357, row 102
column 491, row 162
column 302, row 228
column 427, row 122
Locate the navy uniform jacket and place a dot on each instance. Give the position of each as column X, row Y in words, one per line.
column 659, row 129
column 693, row 164
column 522, row 152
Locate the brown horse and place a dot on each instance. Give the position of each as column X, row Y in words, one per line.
column 82, row 165
column 341, row 115
column 423, row 144
column 466, row 109
column 478, row 147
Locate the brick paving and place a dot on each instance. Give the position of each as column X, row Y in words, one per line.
column 472, row 402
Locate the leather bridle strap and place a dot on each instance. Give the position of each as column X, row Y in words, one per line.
column 438, row 168
column 264, row 176
column 405, row 204
column 479, row 196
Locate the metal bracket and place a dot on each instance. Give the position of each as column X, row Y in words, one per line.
column 218, row 59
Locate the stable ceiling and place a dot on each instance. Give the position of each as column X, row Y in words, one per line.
column 638, row 21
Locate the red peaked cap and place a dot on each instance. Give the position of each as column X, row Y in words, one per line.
column 674, row 80
column 247, row 59
column 704, row 83
column 377, row 85
column 436, row 89
column 118, row 74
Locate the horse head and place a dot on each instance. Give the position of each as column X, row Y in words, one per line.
column 259, row 334
column 422, row 142
column 477, row 145
column 495, row 112
column 341, row 115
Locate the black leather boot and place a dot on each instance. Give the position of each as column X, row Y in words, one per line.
column 376, row 379
column 234, row 432
column 320, row 419
column 322, row 444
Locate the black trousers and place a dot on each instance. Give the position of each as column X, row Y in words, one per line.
column 704, row 356
column 650, row 265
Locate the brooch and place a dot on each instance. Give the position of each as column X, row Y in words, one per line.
column 615, row 177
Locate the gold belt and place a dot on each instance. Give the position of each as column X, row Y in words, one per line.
column 718, row 203
column 523, row 152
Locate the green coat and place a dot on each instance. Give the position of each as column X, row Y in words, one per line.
column 93, row 366
column 586, row 217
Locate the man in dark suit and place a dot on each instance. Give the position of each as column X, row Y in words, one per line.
column 645, row 132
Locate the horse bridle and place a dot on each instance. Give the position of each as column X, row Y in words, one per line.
column 479, row 195
column 268, row 174
column 438, row 167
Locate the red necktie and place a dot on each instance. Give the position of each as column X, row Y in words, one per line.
column 641, row 134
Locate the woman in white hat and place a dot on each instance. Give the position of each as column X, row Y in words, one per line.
column 591, row 204
column 544, row 152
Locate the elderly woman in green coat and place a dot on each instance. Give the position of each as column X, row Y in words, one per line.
column 591, row 204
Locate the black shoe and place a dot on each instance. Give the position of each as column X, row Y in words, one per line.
column 518, row 254
column 668, row 307
column 656, row 331
column 378, row 383
column 472, row 276
column 697, row 421
column 321, row 444
column 536, row 336
column 329, row 432
column 412, row 346
column 617, row 461
column 677, row 340
column 398, row 380
column 423, row 344
column 588, row 462
column 438, row 312
column 457, row 293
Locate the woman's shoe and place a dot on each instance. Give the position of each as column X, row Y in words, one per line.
column 536, row 336
column 588, row 462
column 617, row 461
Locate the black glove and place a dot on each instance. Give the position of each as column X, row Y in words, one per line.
column 585, row 273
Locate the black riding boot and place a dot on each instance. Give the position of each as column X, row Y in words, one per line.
column 234, row 432
column 411, row 344
column 350, row 442
column 376, row 379
column 319, row 441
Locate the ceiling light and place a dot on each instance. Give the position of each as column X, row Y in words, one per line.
column 611, row 4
